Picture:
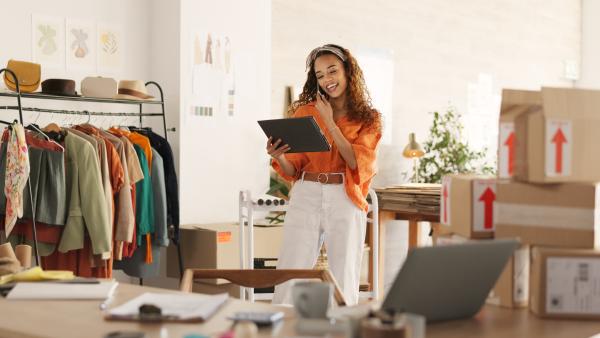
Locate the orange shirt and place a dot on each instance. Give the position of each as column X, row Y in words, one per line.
column 138, row 139
column 364, row 143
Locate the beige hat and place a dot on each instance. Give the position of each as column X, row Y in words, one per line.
column 133, row 90
column 101, row 87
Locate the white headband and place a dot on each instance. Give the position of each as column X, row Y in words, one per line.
column 326, row 48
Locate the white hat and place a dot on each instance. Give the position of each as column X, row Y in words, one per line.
column 133, row 90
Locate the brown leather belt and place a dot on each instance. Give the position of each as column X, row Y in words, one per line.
column 324, row 178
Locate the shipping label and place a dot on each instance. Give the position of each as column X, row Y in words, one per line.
column 224, row 236
column 521, row 275
column 445, row 201
column 559, row 147
column 573, row 285
column 506, row 150
column 484, row 200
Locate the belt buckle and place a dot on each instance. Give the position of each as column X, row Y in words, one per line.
column 326, row 178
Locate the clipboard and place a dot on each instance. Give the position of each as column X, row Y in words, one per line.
column 168, row 307
column 302, row 134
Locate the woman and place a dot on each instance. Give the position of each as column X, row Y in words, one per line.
column 330, row 189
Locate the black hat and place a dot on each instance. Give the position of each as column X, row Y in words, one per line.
column 62, row 87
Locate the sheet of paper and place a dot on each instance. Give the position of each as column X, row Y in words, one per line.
column 45, row 290
column 181, row 306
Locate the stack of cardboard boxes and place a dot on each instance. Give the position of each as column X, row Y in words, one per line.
column 547, row 196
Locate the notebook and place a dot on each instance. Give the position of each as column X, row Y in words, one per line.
column 68, row 291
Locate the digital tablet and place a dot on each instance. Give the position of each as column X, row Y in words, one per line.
column 302, row 134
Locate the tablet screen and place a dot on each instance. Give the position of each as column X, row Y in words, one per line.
column 302, row 134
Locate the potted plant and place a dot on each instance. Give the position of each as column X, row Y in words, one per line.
column 447, row 153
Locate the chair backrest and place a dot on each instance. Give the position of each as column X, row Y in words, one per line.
column 261, row 278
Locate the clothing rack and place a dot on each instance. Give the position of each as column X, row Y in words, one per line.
column 140, row 114
column 33, row 209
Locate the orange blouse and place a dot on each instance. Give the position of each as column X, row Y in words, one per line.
column 364, row 142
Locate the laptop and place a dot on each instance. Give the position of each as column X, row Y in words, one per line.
column 448, row 282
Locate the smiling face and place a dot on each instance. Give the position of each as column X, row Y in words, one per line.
column 331, row 75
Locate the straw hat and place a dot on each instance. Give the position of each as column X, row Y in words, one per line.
column 132, row 90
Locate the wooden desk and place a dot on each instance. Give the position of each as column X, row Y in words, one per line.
column 83, row 319
column 410, row 202
column 497, row 322
column 413, row 237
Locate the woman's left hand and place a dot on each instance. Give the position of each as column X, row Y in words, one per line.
column 325, row 110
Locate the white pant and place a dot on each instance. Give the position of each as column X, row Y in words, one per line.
column 317, row 209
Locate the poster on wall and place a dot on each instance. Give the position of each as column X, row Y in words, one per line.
column 110, row 47
column 212, row 91
column 47, row 41
column 80, row 48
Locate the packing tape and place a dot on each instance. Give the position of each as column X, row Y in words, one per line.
column 544, row 216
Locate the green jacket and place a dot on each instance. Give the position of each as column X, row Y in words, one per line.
column 144, row 199
column 87, row 206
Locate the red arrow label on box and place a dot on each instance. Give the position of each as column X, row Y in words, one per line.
column 510, row 143
column 559, row 139
column 488, row 197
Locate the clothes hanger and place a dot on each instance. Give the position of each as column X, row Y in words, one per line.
column 46, row 136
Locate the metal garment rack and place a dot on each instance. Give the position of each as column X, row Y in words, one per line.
column 247, row 207
column 140, row 114
column 33, row 206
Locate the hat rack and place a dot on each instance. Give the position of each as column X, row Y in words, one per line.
column 140, row 103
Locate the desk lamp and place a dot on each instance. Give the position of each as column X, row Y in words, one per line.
column 413, row 150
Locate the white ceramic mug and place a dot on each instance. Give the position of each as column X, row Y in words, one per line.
column 312, row 299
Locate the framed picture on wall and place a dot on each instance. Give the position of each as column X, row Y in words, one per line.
column 80, row 47
column 47, row 41
column 110, row 47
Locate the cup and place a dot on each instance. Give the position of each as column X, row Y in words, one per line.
column 6, row 250
column 312, row 299
column 23, row 252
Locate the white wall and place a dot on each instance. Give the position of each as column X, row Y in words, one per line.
column 164, row 24
column 221, row 154
column 590, row 49
column 132, row 15
column 439, row 48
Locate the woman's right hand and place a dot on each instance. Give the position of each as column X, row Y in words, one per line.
column 276, row 151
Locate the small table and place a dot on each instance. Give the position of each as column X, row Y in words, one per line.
column 414, row 217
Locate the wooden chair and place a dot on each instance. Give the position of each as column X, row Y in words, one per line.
column 261, row 278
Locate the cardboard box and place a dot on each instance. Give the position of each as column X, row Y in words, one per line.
column 512, row 287
column 556, row 135
column 216, row 246
column 564, row 283
column 467, row 205
column 514, row 103
column 563, row 215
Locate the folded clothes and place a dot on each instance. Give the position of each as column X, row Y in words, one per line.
column 36, row 274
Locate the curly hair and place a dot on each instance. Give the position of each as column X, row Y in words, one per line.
column 358, row 102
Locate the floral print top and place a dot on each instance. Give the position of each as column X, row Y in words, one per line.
column 17, row 173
